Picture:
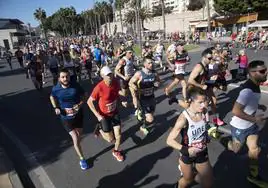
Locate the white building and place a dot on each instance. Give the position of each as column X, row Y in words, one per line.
column 12, row 33
column 179, row 6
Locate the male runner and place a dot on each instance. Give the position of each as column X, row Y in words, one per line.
column 67, row 98
column 98, row 55
column 125, row 69
column 106, row 93
column 180, row 57
column 199, row 78
column 244, row 124
column 19, row 56
column 143, row 83
column 191, row 124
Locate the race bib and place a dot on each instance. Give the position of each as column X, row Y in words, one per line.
column 200, row 144
column 148, row 91
column 179, row 69
column 111, row 107
column 70, row 112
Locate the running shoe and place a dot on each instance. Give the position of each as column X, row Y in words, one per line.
column 257, row 181
column 117, row 154
column 139, row 115
column 83, row 164
column 218, row 121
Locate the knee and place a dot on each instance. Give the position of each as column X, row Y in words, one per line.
column 150, row 119
column 253, row 152
column 185, row 181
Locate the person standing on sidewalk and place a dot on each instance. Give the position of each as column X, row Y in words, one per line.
column 244, row 123
column 67, row 99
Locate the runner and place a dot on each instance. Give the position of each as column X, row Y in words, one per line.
column 244, row 123
column 143, row 83
column 87, row 58
column 106, row 93
column 8, row 56
column 180, row 57
column 191, row 124
column 125, row 69
column 110, row 53
column 67, row 99
column 158, row 50
column 98, row 55
column 19, row 56
column 53, row 64
column 199, row 78
column 69, row 65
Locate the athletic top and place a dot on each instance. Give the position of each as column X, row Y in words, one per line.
column 202, row 77
column 97, row 54
column 180, row 62
column 128, row 68
column 67, row 97
column 107, row 97
column 249, row 97
column 195, row 134
column 159, row 50
column 146, row 84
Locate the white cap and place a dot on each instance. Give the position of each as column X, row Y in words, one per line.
column 72, row 46
column 105, row 71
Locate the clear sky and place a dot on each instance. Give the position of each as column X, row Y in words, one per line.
column 24, row 9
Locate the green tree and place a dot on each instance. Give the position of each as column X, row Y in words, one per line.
column 40, row 15
column 196, row 4
column 157, row 10
column 235, row 7
column 119, row 5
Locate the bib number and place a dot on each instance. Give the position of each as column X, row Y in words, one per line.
column 70, row 112
column 148, row 92
column 111, row 107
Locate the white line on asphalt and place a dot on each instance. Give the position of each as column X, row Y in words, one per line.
column 38, row 170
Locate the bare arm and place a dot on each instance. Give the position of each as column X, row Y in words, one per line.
column 133, row 81
column 118, row 68
column 93, row 109
column 194, row 74
column 238, row 110
column 54, row 102
column 174, row 133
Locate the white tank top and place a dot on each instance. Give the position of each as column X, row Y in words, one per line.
column 196, row 132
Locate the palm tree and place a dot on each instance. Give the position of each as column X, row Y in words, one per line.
column 119, row 4
column 145, row 15
column 40, row 15
column 111, row 6
column 163, row 16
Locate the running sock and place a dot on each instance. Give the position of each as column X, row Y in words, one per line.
column 82, row 158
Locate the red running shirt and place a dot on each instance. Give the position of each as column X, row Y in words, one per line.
column 107, row 97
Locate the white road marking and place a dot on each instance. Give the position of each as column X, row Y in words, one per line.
column 38, row 170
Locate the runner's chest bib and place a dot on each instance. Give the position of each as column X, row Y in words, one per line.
column 146, row 84
column 180, row 63
column 196, row 132
column 129, row 67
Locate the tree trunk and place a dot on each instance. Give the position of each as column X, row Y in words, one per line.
column 109, row 25
column 91, row 26
column 99, row 24
column 121, row 21
column 105, row 18
column 164, row 18
column 96, row 24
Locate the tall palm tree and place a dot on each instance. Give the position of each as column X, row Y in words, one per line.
column 145, row 15
column 119, row 5
column 40, row 15
column 111, row 6
column 163, row 16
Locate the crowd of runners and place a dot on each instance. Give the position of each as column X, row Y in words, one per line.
column 120, row 77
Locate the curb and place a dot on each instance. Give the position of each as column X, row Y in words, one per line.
column 9, row 179
column 238, row 85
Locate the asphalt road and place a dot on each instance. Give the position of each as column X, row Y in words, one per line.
column 149, row 163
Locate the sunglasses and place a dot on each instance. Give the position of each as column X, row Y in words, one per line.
column 210, row 58
column 263, row 71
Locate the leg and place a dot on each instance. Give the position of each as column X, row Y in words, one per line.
column 205, row 173
column 184, row 86
column 234, row 145
column 188, row 175
column 171, row 86
column 76, row 142
column 253, row 148
column 106, row 130
column 117, row 135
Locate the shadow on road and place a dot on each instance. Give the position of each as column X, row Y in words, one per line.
column 12, row 72
column 132, row 174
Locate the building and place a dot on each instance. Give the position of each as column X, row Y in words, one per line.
column 12, row 33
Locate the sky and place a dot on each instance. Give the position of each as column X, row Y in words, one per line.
column 23, row 10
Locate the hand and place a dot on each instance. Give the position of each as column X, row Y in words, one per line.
column 126, row 78
column 99, row 117
column 76, row 107
column 204, row 87
column 262, row 107
column 260, row 118
column 57, row 111
column 193, row 151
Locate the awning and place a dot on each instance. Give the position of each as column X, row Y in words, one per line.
column 261, row 23
column 202, row 25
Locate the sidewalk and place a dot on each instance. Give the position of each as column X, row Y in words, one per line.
column 8, row 176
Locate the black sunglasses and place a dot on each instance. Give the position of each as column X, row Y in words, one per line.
column 263, row 71
column 210, row 58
